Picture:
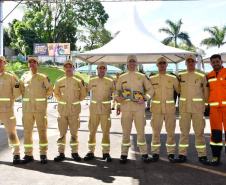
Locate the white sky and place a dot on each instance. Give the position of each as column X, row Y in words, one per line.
column 195, row 16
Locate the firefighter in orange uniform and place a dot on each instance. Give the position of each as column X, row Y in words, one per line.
column 9, row 92
column 216, row 93
column 36, row 88
column 69, row 91
column 100, row 109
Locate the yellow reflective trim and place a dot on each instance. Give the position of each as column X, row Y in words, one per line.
column 42, row 75
column 224, row 102
column 105, row 144
column 200, row 146
column 61, row 79
column 74, row 144
column 62, row 102
column 25, row 99
column 108, row 79
column 92, row 78
column 124, row 74
column 106, row 102
column 43, row 144
column 140, row 73
column 214, row 104
column 149, row 96
column 28, row 145
column 127, row 100
column 182, row 99
column 13, row 117
column 91, row 144
column 76, row 103
column 183, row 73
column 141, row 144
column 8, row 74
column 171, row 75
column 206, row 104
column 118, row 103
column 126, row 144
column 171, row 145
column 144, row 115
column 197, row 99
column 155, row 101
column 179, row 117
column 40, row 99
column 169, row 101
column 204, row 117
column 200, row 74
column 78, row 119
column 155, row 144
column 216, row 144
column 45, row 117
column 64, row 144
column 212, row 80
column 183, row 145
column 93, row 101
column 153, row 76
column 4, row 99
column 12, row 145
column 109, row 119
column 76, row 79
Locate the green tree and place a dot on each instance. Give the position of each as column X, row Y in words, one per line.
column 174, row 33
column 94, row 37
column 6, row 38
column 217, row 37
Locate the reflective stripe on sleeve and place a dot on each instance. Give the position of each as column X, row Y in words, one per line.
column 212, row 80
column 106, row 102
column 76, row 103
column 216, row 144
column 25, row 99
column 155, row 101
column 224, row 102
column 4, row 99
column 109, row 119
column 197, row 99
column 127, row 100
column 13, row 117
column 206, row 104
column 182, row 99
column 62, row 102
column 40, row 99
column 169, row 101
column 93, row 101
column 214, row 104
column 149, row 96
column 118, row 103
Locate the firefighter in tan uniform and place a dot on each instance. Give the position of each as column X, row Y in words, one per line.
column 69, row 91
column 36, row 88
column 133, row 110
column 163, row 109
column 192, row 107
column 115, row 82
column 100, row 109
column 9, row 92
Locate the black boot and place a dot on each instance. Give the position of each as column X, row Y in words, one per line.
column 154, row 157
column 215, row 161
column 89, row 156
column 43, row 159
column 123, row 159
column 145, row 158
column 76, row 157
column 171, row 158
column 59, row 157
column 181, row 159
column 204, row 160
column 16, row 159
column 27, row 159
column 107, row 157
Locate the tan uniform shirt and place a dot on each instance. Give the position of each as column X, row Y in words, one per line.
column 9, row 90
column 192, row 93
column 69, row 91
column 135, row 81
column 36, row 88
column 164, row 86
column 101, row 94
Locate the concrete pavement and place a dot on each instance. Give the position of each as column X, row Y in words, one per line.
column 99, row 172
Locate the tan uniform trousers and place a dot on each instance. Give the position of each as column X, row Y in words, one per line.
column 198, row 122
column 29, row 119
column 156, row 124
column 9, row 121
column 94, row 121
column 140, row 122
column 74, row 124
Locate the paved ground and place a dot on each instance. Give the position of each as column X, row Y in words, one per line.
column 98, row 171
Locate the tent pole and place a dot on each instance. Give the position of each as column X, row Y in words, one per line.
column 176, row 72
column 199, row 62
column 90, row 73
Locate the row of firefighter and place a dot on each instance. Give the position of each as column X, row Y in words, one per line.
column 131, row 89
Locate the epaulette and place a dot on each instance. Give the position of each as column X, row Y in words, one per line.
column 9, row 73
column 123, row 74
column 107, row 77
column 151, row 74
column 139, row 73
column 94, row 77
column 171, row 75
column 199, row 72
column 183, row 72
column 62, row 77
column 41, row 73
column 77, row 78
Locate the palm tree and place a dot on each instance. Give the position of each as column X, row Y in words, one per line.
column 174, row 33
column 217, row 37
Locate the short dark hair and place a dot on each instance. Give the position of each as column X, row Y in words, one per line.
column 215, row 56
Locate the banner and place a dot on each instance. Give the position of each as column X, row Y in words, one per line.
column 51, row 49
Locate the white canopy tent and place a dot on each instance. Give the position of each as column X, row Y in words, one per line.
column 221, row 51
column 135, row 39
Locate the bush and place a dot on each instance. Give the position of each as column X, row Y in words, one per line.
column 49, row 62
column 17, row 68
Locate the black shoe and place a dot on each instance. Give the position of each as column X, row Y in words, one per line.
column 27, row 159
column 76, row 157
column 215, row 161
column 112, row 108
column 59, row 157
column 43, row 159
column 154, row 157
column 107, row 157
column 145, row 158
column 89, row 156
column 204, row 160
column 123, row 159
column 16, row 159
column 171, row 158
column 181, row 159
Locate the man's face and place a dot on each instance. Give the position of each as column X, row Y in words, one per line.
column 132, row 65
column 101, row 70
column 68, row 68
column 162, row 66
column 117, row 75
column 2, row 65
column 190, row 64
column 33, row 65
column 216, row 63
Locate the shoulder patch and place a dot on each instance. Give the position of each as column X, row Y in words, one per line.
column 61, row 78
